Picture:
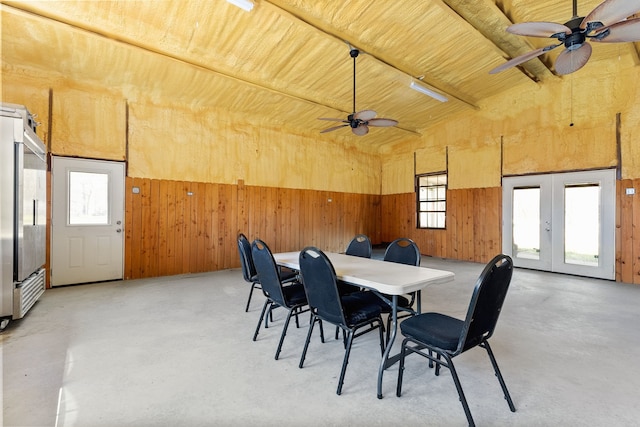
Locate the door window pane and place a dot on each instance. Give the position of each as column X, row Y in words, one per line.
column 526, row 223
column 582, row 224
column 88, row 198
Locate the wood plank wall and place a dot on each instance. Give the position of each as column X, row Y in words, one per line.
column 473, row 233
column 628, row 232
column 168, row 231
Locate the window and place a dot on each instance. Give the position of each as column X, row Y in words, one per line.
column 431, row 200
column 88, row 198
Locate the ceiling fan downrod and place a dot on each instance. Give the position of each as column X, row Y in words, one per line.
column 354, row 54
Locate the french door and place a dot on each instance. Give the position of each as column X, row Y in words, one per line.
column 87, row 238
column 563, row 223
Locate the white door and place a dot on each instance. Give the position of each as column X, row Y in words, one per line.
column 563, row 223
column 87, row 234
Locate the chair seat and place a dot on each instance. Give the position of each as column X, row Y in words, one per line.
column 358, row 308
column 372, row 298
column 294, row 294
column 435, row 329
column 346, row 288
column 287, row 275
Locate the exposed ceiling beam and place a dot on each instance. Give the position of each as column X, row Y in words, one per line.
column 491, row 22
column 131, row 43
column 374, row 55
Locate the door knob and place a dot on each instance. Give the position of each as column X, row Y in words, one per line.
column 119, row 230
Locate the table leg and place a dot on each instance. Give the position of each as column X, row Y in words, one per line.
column 387, row 350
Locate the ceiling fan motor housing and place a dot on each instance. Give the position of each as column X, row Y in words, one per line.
column 577, row 37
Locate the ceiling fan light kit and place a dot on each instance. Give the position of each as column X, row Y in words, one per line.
column 242, row 4
column 607, row 23
column 418, row 87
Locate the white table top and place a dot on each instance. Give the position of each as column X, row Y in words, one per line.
column 386, row 277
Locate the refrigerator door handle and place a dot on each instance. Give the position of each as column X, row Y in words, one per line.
column 35, row 212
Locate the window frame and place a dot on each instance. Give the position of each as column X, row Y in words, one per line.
column 437, row 200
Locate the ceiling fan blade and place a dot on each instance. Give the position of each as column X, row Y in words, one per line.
column 382, row 122
column 625, row 31
column 538, row 29
column 364, row 115
column 572, row 60
column 333, row 128
column 360, row 130
column 611, row 11
column 522, row 58
column 332, row 120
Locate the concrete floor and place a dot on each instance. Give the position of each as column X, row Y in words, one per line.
column 177, row 351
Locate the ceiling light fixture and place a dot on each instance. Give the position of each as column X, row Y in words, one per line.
column 242, row 4
column 429, row 92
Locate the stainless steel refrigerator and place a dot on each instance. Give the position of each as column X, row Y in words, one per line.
column 23, row 209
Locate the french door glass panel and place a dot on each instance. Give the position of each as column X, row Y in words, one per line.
column 581, row 224
column 526, row 223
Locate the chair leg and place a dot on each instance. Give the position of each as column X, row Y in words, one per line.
column 269, row 316
column 321, row 331
column 345, row 362
column 456, row 381
column 381, row 332
column 388, row 328
column 253, row 285
column 264, row 309
column 284, row 332
column 507, row 396
column 306, row 343
column 403, row 354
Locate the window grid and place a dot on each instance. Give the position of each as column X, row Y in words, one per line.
column 432, row 200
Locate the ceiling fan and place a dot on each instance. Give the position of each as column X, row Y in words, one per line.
column 361, row 120
column 606, row 23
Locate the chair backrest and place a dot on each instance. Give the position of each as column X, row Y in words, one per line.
column 267, row 272
column 319, row 281
column 246, row 260
column 359, row 246
column 403, row 251
column 486, row 302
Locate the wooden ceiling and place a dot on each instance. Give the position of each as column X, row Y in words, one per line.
column 286, row 62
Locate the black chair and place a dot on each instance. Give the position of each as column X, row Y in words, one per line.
column 448, row 337
column 350, row 313
column 360, row 246
column 249, row 270
column 401, row 251
column 292, row 296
